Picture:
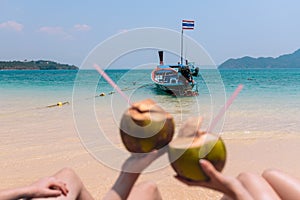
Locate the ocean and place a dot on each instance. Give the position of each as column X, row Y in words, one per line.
column 268, row 104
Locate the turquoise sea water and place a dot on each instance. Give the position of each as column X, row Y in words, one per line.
column 269, row 102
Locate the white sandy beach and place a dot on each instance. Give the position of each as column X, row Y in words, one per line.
column 39, row 142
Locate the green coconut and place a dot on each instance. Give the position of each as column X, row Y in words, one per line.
column 145, row 126
column 185, row 153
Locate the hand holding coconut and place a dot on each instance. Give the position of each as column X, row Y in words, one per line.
column 229, row 186
column 193, row 145
column 272, row 184
column 186, row 150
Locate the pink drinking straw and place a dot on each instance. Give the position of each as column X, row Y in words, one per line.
column 225, row 107
column 112, row 83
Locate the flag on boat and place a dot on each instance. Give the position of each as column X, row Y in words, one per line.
column 188, row 24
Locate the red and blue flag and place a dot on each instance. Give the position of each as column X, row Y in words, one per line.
column 188, row 24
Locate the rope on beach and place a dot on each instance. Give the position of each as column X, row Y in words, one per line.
column 124, row 89
column 59, row 104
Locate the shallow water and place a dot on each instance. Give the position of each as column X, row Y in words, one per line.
column 268, row 104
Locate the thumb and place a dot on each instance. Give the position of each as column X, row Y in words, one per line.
column 209, row 169
column 53, row 193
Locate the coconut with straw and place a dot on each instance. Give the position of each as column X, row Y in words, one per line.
column 192, row 144
column 144, row 126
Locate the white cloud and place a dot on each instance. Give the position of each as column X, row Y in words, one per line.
column 82, row 27
column 12, row 25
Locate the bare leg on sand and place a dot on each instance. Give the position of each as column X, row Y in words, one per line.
column 146, row 190
column 257, row 186
column 76, row 189
column 286, row 186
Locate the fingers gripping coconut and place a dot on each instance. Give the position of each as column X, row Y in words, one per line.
column 190, row 146
column 145, row 126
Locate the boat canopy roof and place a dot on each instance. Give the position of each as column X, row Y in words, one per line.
column 165, row 71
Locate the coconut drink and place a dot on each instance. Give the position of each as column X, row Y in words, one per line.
column 185, row 153
column 190, row 146
column 145, row 126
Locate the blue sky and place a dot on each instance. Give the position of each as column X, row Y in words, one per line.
column 66, row 31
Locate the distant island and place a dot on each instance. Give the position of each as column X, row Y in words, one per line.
column 284, row 61
column 35, row 65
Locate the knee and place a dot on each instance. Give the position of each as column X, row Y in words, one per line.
column 149, row 186
column 269, row 173
column 67, row 171
column 68, row 174
column 145, row 190
column 246, row 177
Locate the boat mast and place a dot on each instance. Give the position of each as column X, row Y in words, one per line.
column 181, row 52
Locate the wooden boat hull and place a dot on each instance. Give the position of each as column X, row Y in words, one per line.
column 174, row 84
column 174, row 89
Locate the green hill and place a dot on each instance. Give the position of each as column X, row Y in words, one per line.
column 35, row 65
column 284, row 61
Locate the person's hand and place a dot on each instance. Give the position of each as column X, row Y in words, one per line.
column 47, row 187
column 137, row 162
column 228, row 185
